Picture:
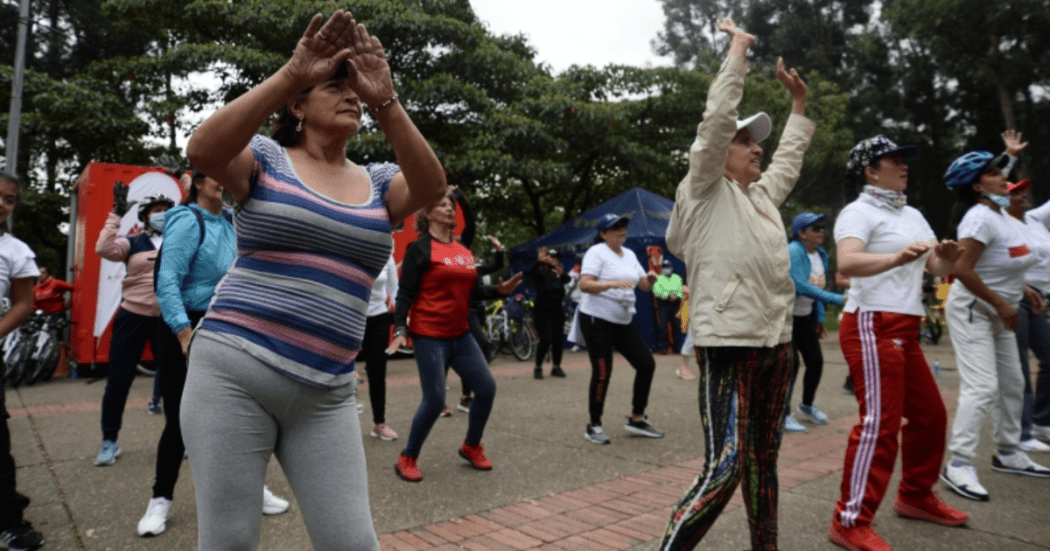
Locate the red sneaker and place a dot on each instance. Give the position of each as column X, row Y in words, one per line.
column 407, row 470
column 858, row 538
column 476, row 456
column 930, row 508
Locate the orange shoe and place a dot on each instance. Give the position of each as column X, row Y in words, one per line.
column 406, row 468
column 858, row 538
column 476, row 456
column 930, row 508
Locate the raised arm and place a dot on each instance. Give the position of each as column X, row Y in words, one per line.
column 219, row 147
column 780, row 177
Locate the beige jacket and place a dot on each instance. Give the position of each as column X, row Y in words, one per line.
column 732, row 240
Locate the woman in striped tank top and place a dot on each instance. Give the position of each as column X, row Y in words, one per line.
column 271, row 367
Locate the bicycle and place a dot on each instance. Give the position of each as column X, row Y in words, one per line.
column 508, row 330
column 931, row 328
column 16, row 350
column 46, row 346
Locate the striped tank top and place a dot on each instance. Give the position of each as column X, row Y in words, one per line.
column 296, row 297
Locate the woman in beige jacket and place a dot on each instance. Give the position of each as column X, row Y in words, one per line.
column 726, row 227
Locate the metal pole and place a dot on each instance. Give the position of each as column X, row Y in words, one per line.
column 14, row 120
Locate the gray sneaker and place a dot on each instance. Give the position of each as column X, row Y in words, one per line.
column 596, row 434
column 643, row 427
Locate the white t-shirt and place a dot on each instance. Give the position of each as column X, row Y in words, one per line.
column 817, row 278
column 1006, row 256
column 385, row 285
column 17, row 261
column 1038, row 238
column 612, row 305
column 885, row 230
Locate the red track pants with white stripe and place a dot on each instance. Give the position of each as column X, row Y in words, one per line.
column 893, row 382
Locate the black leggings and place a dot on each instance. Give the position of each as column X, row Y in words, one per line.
column 373, row 353
column 805, row 339
column 550, row 326
column 12, row 503
column 130, row 332
column 602, row 338
column 170, row 449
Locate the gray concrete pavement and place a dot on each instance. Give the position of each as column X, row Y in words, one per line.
column 534, row 438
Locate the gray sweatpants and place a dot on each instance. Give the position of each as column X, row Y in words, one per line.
column 236, row 411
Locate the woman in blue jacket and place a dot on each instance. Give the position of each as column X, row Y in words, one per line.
column 809, row 270
column 199, row 250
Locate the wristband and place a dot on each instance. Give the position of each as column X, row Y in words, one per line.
column 384, row 105
column 400, row 332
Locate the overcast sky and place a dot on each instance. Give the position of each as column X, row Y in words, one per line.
column 566, row 32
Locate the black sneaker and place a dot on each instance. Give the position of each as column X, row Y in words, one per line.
column 596, row 434
column 643, row 427
column 557, row 372
column 537, row 373
column 21, row 537
column 848, row 385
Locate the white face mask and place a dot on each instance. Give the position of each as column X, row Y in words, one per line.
column 1001, row 200
column 156, row 221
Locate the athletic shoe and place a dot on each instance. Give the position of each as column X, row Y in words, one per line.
column 464, row 404
column 154, row 407
column 930, row 508
column 383, row 432
column 537, row 373
column 406, row 468
column 360, row 408
column 446, row 412
column 1018, row 463
column 857, row 538
column 557, row 371
column 963, row 480
column 793, row 426
column 21, row 537
column 596, row 434
column 643, row 427
column 476, row 456
column 272, row 505
column 813, row 413
column 1033, row 445
column 848, row 385
column 155, row 520
column 1041, row 432
column 108, row 453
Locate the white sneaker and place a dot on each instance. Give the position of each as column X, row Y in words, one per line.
column 1041, row 432
column 964, row 481
column 155, row 520
column 273, row 505
column 1018, row 463
column 1033, row 445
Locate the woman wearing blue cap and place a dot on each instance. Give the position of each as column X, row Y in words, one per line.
column 884, row 245
column 982, row 314
column 726, row 226
column 809, row 270
column 603, row 323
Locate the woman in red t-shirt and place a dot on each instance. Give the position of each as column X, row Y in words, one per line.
column 49, row 293
column 437, row 280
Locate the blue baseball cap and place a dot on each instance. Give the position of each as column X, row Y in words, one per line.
column 609, row 220
column 804, row 220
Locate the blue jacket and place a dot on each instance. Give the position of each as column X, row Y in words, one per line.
column 800, row 270
column 187, row 276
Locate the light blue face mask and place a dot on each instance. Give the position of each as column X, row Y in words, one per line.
column 1002, row 200
column 156, row 221
column 667, row 271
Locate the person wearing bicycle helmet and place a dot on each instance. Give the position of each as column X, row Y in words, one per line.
column 138, row 317
column 17, row 270
column 884, row 246
column 982, row 314
column 438, row 278
column 604, row 323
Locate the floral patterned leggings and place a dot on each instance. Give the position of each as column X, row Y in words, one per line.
column 742, row 392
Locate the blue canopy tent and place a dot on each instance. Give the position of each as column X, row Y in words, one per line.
column 649, row 214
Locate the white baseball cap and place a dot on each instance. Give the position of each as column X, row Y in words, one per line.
column 758, row 125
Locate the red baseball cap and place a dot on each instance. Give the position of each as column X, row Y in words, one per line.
column 1019, row 186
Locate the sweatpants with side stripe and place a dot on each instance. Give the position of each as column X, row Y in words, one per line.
column 742, row 393
column 893, row 382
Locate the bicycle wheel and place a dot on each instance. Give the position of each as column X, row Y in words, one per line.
column 20, row 362
column 519, row 341
column 46, row 361
column 147, row 370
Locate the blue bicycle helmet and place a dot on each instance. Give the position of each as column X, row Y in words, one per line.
column 965, row 169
